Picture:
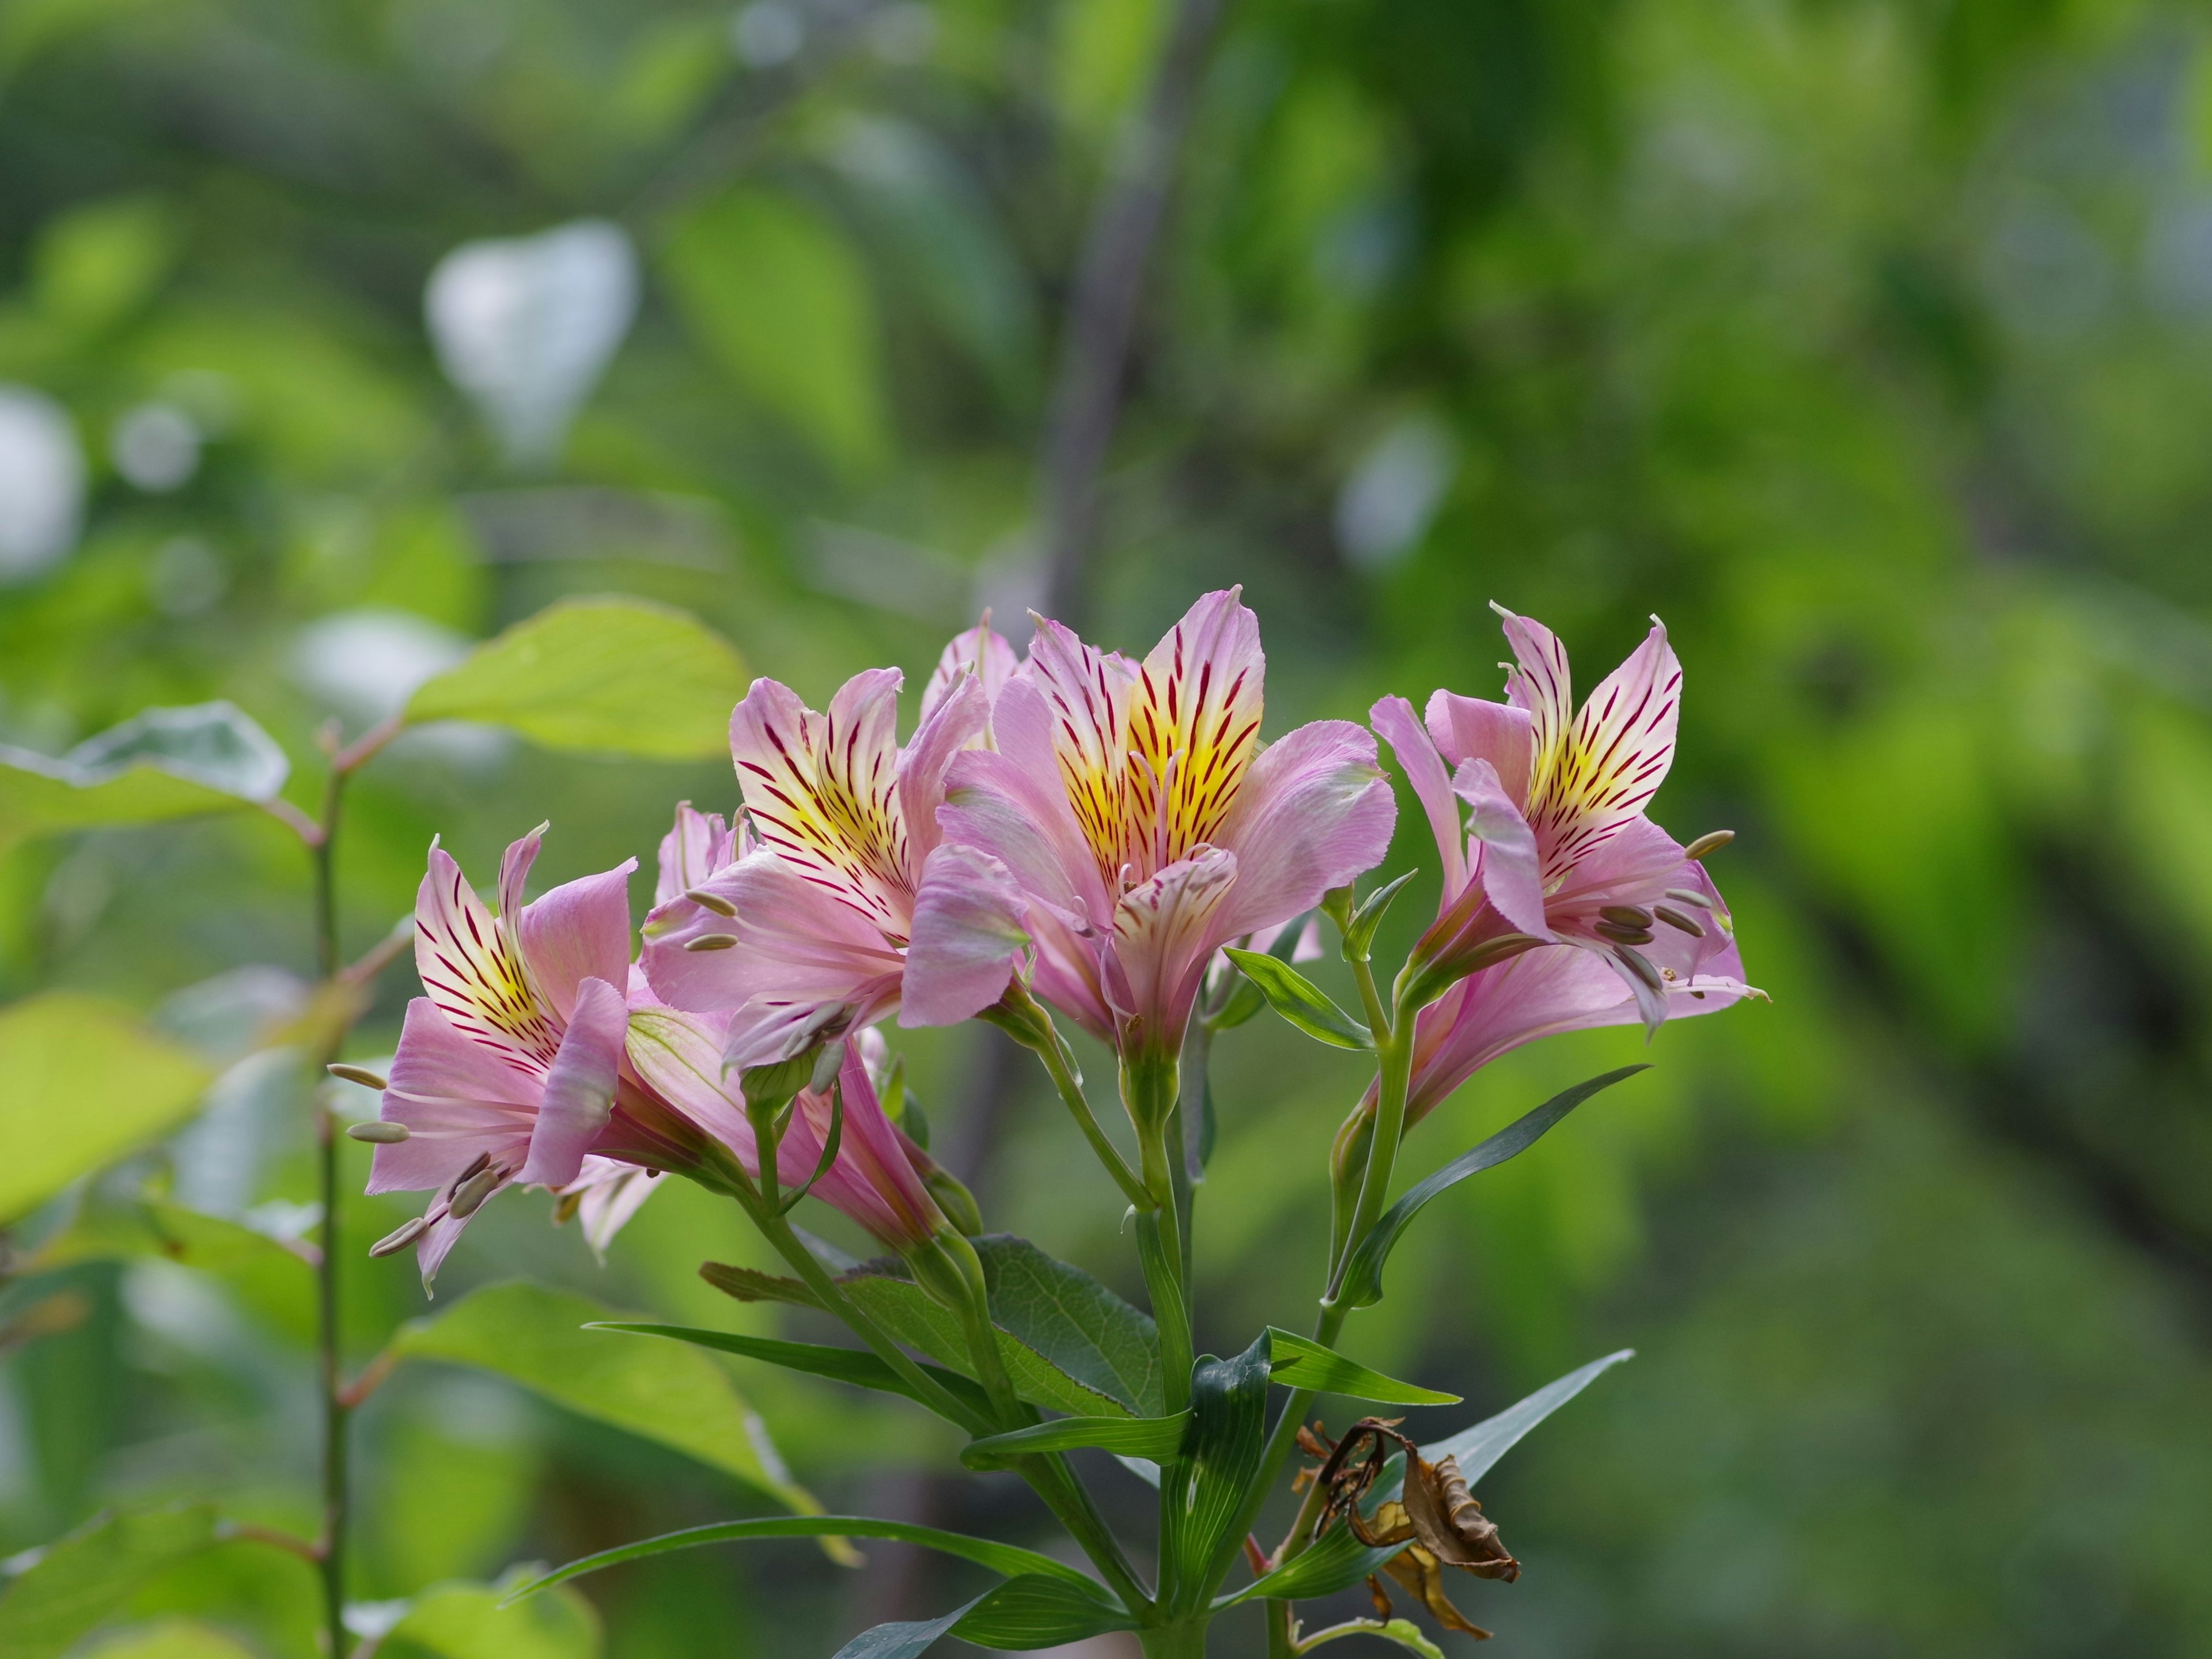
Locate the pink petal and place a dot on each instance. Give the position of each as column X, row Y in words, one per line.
column 956, row 722
column 872, row 1181
column 1604, row 772
column 579, row 931
column 579, row 1090
column 1085, row 701
column 1194, row 727
column 1012, row 806
column 977, row 653
column 1392, row 720
column 1165, row 931
column 514, row 870
column 697, row 846
column 679, row 1057
column 612, row 1194
column 470, row 967
column 820, row 789
column 968, row 934
column 1470, row 728
column 458, row 1098
column 796, row 940
column 1505, row 847
column 1314, row 811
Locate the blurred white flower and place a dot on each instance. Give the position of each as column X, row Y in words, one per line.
column 154, row 446
column 42, row 477
column 767, row 34
column 1388, row 503
column 524, row 327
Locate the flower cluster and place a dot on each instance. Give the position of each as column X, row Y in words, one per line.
column 1072, row 829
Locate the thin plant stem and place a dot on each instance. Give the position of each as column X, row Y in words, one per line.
column 336, row 1407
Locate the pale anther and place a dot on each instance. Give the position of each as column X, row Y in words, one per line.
column 707, row 901
column 359, row 1074
column 1712, row 841
column 711, row 942
column 469, row 1197
column 1674, row 918
column 1689, row 896
column 392, row 1242
column 381, row 1134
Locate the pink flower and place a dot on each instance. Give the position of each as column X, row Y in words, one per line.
column 1564, row 906
column 510, row 1068
column 807, row 935
column 877, row 1178
column 1130, row 816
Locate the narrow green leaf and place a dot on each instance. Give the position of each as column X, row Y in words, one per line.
column 751, row 1284
column 82, row 1083
column 1201, row 1490
column 1478, row 1448
column 480, row 1621
column 1244, row 1001
column 1300, row 1001
column 1010, row 1560
column 1156, row 1438
column 609, row 676
column 907, row 1637
column 1359, row 937
column 1034, row 1611
column 164, row 764
column 536, row 1337
column 855, row 1365
column 1403, row 1632
column 1363, row 1274
column 1339, row 1560
column 82, row 1580
column 1300, row 1364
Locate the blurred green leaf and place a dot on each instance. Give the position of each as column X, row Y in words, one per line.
column 1403, row 1632
column 163, row 763
column 1155, row 1437
column 84, row 1577
column 475, row 1621
column 1298, row 1364
column 1363, row 1274
column 169, row 1638
column 611, row 676
column 95, row 264
column 1229, row 1413
column 778, row 295
column 1478, row 1448
column 1009, row 1559
column 906, row 1637
column 1300, row 1001
column 1040, row 1611
column 536, row 1337
column 82, row 1083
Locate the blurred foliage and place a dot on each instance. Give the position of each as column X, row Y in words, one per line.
column 1864, row 342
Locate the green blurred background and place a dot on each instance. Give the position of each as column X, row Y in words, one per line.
column 1869, row 344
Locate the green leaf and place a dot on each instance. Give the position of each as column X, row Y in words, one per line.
column 1359, row 937
column 169, row 1638
column 1010, row 1560
column 1156, row 1438
column 907, row 1637
column 82, row 1580
column 477, row 1621
column 778, row 297
column 1406, row 1633
column 536, row 1337
column 855, row 1365
column 1299, row 1000
column 751, row 1284
column 1202, row 1490
column 164, row 764
column 1363, row 1274
column 1076, row 1346
column 1034, row 1611
column 1478, row 1448
column 607, row 676
column 1299, row 1363
column 82, row 1083
column 1339, row 1560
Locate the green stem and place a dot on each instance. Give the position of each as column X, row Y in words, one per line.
column 1072, row 1505
column 1396, row 1060
column 1185, row 1639
column 331, row 1547
column 1022, row 1018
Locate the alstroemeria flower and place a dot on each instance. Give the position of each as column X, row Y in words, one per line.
column 874, row 1179
column 510, row 1068
column 1585, row 912
column 808, row 936
column 1142, row 823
